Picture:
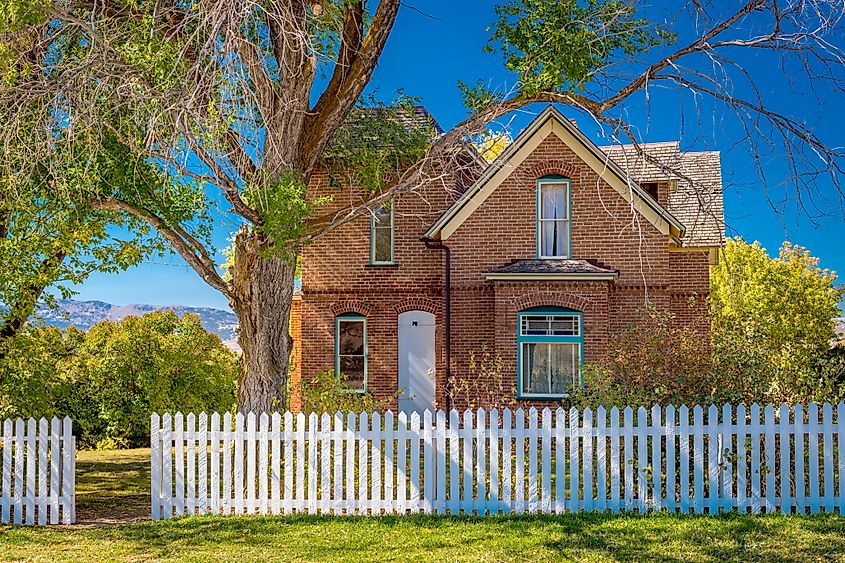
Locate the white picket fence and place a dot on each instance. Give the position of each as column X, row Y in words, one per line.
column 39, row 462
column 489, row 463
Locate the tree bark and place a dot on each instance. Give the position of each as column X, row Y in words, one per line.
column 262, row 291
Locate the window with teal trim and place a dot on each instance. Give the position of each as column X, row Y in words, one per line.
column 382, row 234
column 549, row 349
column 351, row 350
column 553, row 218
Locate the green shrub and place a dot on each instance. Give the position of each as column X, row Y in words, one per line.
column 654, row 360
column 326, row 393
column 111, row 379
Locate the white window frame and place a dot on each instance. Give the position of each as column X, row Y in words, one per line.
column 565, row 221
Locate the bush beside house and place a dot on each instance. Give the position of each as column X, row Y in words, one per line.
column 773, row 340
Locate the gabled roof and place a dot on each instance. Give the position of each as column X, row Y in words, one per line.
column 551, row 121
column 696, row 200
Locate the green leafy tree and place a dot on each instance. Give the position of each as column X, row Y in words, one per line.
column 159, row 362
column 222, row 97
column 49, row 242
column 32, row 379
column 774, row 322
column 111, row 379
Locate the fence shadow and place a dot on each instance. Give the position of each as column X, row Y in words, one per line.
column 657, row 536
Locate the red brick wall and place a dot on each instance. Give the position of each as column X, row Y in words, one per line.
column 337, row 278
column 296, row 353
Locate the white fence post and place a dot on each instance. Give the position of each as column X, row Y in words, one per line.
column 437, row 462
column 36, row 473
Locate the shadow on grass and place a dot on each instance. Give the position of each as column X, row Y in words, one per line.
column 112, row 486
column 659, row 536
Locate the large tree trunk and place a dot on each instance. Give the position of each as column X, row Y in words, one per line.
column 262, row 293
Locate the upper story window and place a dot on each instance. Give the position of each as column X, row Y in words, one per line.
column 351, row 350
column 549, row 350
column 553, row 218
column 382, row 234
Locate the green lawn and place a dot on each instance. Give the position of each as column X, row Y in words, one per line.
column 112, row 487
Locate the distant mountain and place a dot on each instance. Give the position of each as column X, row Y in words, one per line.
column 85, row 314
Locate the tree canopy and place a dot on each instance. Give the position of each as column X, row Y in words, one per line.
column 774, row 320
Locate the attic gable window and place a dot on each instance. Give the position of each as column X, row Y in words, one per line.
column 553, row 218
column 651, row 188
column 382, row 228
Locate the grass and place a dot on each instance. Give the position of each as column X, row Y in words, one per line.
column 112, row 487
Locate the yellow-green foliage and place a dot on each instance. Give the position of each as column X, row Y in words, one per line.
column 773, row 320
column 111, row 379
column 326, row 393
column 772, row 340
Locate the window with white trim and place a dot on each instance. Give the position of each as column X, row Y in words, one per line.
column 351, row 350
column 549, row 350
column 553, row 218
column 382, row 234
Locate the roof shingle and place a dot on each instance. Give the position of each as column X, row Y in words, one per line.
column 553, row 267
column 697, row 202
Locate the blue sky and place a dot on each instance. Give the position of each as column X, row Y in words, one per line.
column 427, row 55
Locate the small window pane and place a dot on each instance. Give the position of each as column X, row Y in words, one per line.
column 382, row 235
column 351, row 338
column 564, row 367
column 352, row 367
column 535, row 326
column 554, row 238
column 383, row 215
column 553, row 199
column 382, row 245
column 535, row 368
column 564, row 326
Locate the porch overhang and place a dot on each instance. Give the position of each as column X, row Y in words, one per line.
column 552, row 277
column 564, row 270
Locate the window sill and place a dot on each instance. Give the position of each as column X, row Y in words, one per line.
column 542, row 397
column 377, row 266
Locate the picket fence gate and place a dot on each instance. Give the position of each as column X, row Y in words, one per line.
column 489, row 463
column 39, row 463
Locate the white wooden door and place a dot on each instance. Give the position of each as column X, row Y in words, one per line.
column 416, row 361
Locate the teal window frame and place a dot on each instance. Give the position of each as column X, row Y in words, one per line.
column 553, row 179
column 353, row 317
column 547, row 339
column 392, row 261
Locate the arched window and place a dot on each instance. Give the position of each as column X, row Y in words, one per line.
column 350, row 349
column 549, row 351
column 553, row 217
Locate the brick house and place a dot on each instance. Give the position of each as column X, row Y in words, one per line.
column 551, row 249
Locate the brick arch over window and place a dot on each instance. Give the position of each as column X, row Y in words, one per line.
column 351, row 306
column 551, row 299
column 416, row 304
column 551, row 166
